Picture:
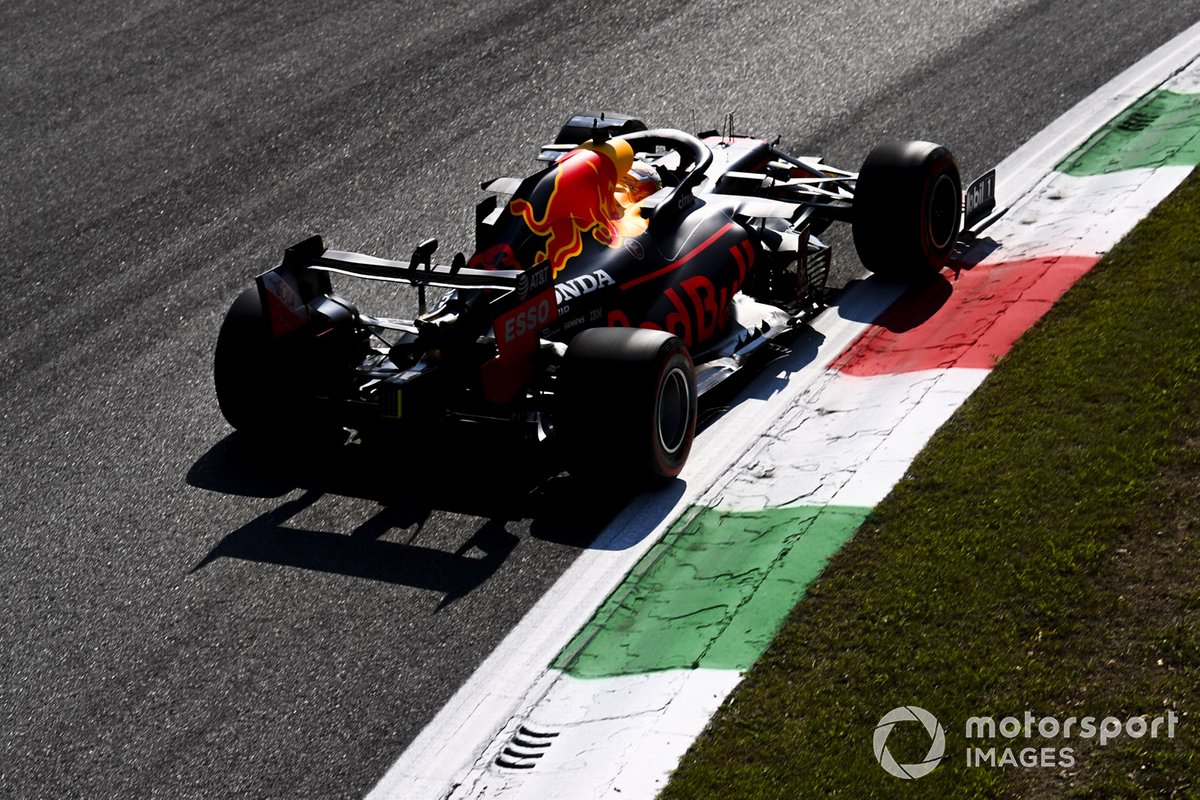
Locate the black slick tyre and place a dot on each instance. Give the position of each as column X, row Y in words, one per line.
column 626, row 405
column 907, row 210
column 255, row 376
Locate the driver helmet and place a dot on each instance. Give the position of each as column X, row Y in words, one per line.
column 638, row 183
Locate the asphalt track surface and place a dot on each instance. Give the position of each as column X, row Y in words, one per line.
column 185, row 617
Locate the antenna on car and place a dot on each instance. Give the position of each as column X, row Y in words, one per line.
column 422, row 257
column 599, row 135
column 727, row 128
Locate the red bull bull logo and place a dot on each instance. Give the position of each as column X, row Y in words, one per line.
column 583, row 200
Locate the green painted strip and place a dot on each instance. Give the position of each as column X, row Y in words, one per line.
column 1161, row 129
column 712, row 593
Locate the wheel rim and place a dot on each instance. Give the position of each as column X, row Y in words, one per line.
column 943, row 212
column 674, row 411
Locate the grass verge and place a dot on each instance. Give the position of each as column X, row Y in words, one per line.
column 1040, row 555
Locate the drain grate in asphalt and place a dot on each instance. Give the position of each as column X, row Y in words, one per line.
column 525, row 748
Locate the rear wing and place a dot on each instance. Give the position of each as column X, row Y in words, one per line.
column 288, row 289
column 418, row 271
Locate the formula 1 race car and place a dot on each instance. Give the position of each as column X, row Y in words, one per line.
column 628, row 277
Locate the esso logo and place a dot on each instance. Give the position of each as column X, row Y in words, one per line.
column 533, row 318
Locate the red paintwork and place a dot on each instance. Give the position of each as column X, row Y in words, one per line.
column 516, row 339
column 987, row 309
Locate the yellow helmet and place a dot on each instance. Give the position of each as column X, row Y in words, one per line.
column 618, row 151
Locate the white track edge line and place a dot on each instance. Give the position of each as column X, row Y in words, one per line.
column 1031, row 163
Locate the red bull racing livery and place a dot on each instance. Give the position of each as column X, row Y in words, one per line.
column 617, row 286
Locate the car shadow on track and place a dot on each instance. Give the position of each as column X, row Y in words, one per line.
column 916, row 306
column 363, row 554
column 428, row 481
column 435, row 487
column 920, row 302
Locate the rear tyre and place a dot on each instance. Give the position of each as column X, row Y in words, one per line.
column 626, row 405
column 257, row 379
column 907, row 210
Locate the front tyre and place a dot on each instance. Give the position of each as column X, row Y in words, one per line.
column 626, row 405
column 907, row 210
